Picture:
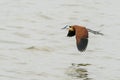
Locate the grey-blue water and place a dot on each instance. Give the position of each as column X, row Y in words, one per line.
column 33, row 46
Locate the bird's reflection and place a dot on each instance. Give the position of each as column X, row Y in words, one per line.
column 78, row 71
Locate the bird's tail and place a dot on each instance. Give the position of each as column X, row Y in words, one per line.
column 95, row 32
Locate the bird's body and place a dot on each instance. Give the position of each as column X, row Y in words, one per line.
column 81, row 32
column 81, row 36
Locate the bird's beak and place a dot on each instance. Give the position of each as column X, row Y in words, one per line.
column 66, row 27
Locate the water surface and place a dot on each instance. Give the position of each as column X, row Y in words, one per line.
column 33, row 46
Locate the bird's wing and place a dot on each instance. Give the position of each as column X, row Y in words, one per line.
column 71, row 33
column 82, row 43
column 81, row 38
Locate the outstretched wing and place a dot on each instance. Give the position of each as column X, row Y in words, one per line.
column 82, row 44
column 71, row 33
column 81, row 38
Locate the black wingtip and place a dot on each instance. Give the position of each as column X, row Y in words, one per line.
column 82, row 45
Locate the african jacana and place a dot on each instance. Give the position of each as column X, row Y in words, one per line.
column 81, row 35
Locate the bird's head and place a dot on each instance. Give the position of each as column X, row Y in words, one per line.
column 71, row 31
column 70, row 28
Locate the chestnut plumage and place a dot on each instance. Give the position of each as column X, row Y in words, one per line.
column 81, row 36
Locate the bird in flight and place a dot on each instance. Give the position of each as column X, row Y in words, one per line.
column 82, row 35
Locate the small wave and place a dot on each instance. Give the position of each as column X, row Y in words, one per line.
column 10, row 42
column 46, row 49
